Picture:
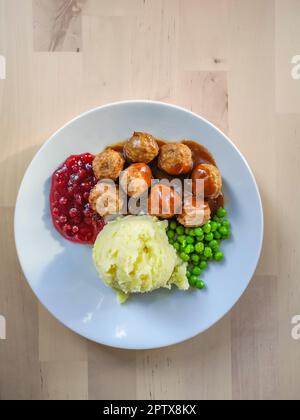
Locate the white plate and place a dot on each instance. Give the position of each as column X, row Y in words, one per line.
column 62, row 274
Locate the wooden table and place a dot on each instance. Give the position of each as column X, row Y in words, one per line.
column 230, row 61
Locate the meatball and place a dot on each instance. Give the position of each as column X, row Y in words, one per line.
column 142, row 147
column 108, row 164
column 105, row 199
column 164, row 201
column 194, row 214
column 136, row 179
column 211, row 176
column 175, row 159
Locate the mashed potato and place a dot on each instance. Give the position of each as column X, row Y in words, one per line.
column 133, row 255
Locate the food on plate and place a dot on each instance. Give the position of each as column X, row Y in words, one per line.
column 141, row 147
column 146, row 178
column 133, row 255
column 108, row 164
column 164, row 201
column 195, row 212
column 211, row 176
column 136, row 179
column 71, row 213
column 105, row 199
column 175, row 159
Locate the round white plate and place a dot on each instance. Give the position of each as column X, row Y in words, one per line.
column 62, row 274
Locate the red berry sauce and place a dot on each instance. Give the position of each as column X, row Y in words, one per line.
column 69, row 200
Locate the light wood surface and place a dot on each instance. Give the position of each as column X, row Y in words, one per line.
column 229, row 60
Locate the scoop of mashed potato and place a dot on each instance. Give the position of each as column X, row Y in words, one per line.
column 133, row 255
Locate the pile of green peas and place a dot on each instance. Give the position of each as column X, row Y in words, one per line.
column 198, row 246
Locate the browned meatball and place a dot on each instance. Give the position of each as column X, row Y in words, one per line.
column 211, row 176
column 175, row 159
column 105, row 199
column 136, row 179
column 108, row 164
column 142, row 147
column 164, row 201
column 194, row 213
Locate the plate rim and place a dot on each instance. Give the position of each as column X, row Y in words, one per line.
column 140, row 102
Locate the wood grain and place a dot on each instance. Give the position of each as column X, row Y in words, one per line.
column 225, row 59
column 206, row 93
column 288, row 128
column 197, row 369
column 255, row 338
column 57, row 343
column 64, row 380
column 19, row 367
column 111, row 373
column 287, row 33
column 57, row 25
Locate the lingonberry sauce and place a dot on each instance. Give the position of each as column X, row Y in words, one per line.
column 69, row 200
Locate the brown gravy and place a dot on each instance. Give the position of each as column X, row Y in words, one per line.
column 200, row 155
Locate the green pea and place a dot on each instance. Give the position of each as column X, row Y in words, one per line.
column 189, row 249
column 192, row 232
column 207, row 228
column 216, row 219
column 196, row 271
column 223, row 231
column 185, row 257
column 200, row 238
column 200, row 284
column 170, row 234
column 219, row 256
column 213, row 244
column 193, row 280
column 176, row 245
column 198, row 231
column 182, row 246
column 180, row 230
column 217, row 235
column 226, row 223
column 208, row 252
column 199, row 247
column 188, row 274
column 221, row 212
column 195, row 258
column 190, row 240
column 203, row 265
column 187, row 231
column 173, row 225
column 171, row 241
column 209, row 237
column 181, row 239
column 214, row 226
